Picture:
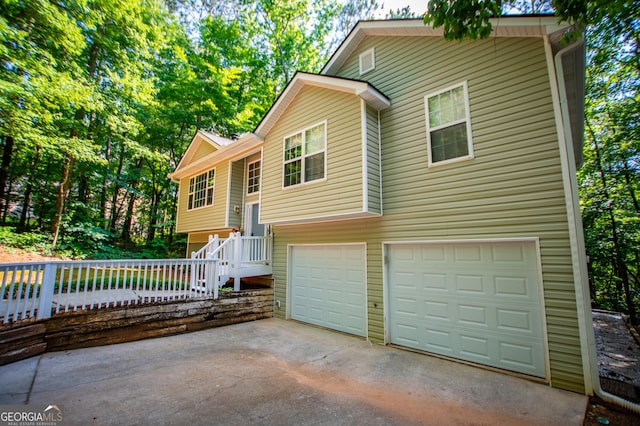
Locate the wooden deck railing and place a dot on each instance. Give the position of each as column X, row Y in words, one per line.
column 39, row 289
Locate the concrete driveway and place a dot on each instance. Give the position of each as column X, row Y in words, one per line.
column 274, row 372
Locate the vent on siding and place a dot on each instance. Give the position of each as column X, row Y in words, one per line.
column 367, row 61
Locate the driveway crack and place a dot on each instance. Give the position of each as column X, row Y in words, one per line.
column 33, row 380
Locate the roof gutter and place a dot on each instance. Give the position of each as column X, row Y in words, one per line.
column 583, row 305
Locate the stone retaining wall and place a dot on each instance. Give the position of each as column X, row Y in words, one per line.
column 81, row 329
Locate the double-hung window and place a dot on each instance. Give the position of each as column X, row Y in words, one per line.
column 201, row 188
column 304, row 156
column 253, row 177
column 448, row 125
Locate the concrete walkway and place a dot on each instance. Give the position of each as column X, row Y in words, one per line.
column 274, row 372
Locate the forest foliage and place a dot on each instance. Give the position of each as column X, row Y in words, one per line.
column 99, row 100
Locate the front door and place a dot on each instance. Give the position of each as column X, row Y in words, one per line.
column 252, row 226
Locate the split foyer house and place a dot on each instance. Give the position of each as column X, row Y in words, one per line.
column 420, row 192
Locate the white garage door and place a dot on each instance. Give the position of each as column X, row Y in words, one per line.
column 478, row 302
column 328, row 286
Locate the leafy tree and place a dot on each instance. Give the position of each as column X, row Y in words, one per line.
column 39, row 80
column 610, row 177
column 99, row 100
column 470, row 18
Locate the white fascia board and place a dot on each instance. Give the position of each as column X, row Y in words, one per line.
column 359, row 88
column 505, row 26
column 198, row 139
column 243, row 147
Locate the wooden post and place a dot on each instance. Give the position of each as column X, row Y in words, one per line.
column 236, row 261
column 194, row 271
column 214, row 242
column 214, row 277
column 46, row 290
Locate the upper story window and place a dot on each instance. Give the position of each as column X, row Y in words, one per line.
column 449, row 125
column 367, row 61
column 253, row 177
column 304, row 155
column 201, row 189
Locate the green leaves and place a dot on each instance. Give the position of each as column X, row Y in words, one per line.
column 99, row 99
column 463, row 19
column 610, row 176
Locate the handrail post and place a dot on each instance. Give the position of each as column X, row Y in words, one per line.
column 236, row 261
column 194, row 271
column 214, row 242
column 214, row 278
column 46, row 290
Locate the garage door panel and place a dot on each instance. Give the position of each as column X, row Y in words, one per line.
column 478, row 302
column 521, row 356
column 467, row 254
column 437, row 311
column 438, row 340
column 475, row 315
column 470, row 284
column 512, row 287
column 335, row 296
column 475, row 348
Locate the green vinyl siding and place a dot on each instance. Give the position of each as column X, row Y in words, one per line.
column 345, row 231
column 374, row 191
column 210, row 217
column 341, row 192
column 236, row 194
column 204, row 150
column 513, row 188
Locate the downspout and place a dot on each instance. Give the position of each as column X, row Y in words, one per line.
column 583, row 302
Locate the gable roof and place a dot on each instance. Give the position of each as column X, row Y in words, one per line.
column 505, row 26
column 224, row 149
column 362, row 89
column 199, row 139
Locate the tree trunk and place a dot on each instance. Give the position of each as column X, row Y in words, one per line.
column 7, row 154
column 619, row 260
column 5, row 210
column 105, row 183
column 128, row 220
column 63, row 192
column 114, row 199
column 153, row 216
column 26, row 201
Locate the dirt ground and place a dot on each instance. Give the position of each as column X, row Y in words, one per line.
column 14, row 255
column 600, row 413
column 618, row 352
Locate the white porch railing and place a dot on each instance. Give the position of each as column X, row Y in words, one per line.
column 39, row 289
column 236, row 257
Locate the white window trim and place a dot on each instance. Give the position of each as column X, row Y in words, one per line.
column 371, row 52
column 470, row 155
column 259, row 178
column 213, row 197
column 305, row 154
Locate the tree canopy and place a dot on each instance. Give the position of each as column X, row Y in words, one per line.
column 99, row 100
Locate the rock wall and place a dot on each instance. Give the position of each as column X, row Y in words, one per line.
column 127, row 323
